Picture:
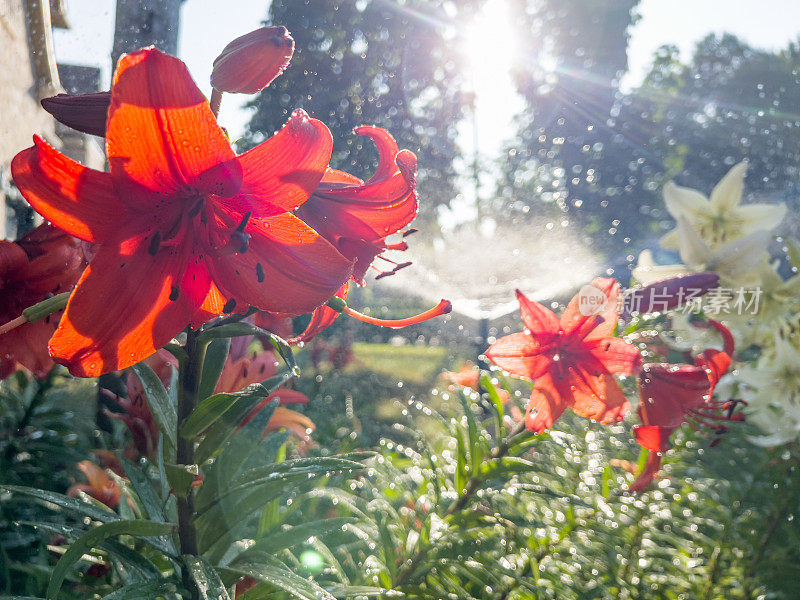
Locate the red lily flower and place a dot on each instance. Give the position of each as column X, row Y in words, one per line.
column 670, row 395
column 357, row 216
column 185, row 229
column 571, row 360
column 44, row 262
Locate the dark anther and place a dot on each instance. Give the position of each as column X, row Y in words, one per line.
column 408, row 232
column 195, row 209
column 174, row 293
column 401, row 266
column 243, row 239
column 384, row 274
column 259, row 273
column 229, row 306
column 155, row 244
column 173, row 231
column 245, row 219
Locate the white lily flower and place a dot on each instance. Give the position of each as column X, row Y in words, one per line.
column 720, row 218
column 772, row 391
column 778, row 308
column 735, row 261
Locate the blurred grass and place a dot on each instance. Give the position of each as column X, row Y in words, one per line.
column 409, row 364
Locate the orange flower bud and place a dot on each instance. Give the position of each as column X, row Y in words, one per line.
column 251, row 62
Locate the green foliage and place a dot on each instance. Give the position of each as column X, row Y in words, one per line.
column 460, row 512
column 41, row 440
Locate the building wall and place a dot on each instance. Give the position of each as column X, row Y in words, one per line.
column 21, row 87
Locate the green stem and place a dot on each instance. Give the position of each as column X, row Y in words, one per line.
column 189, row 381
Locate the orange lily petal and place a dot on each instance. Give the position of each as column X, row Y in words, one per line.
column 121, row 312
column 322, row 318
column 287, row 267
column 617, row 356
column 537, row 318
column 647, row 475
column 162, row 137
column 72, row 197
column 545, row 405
column 653, row 437
column 573, row 320
column 598, row 397
column 522, row 355
column 282, row 172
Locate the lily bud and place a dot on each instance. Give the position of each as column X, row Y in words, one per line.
column 251, row 62
column 668, row 293
column 84, row 112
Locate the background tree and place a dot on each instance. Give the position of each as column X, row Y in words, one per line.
column 572, row 151
column 372, row 62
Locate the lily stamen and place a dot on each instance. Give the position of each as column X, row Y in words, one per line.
column 443, row 308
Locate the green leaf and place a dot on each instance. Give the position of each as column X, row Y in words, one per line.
column 208, row 582
column 96, row 537
column 181, row 477
column 497, row 402
column 71, row 504
column 270, row 570
column 275, row 541
column 251, row 491
column 241, row 328
column 144, row 489
column 212, row 408
column 137, row 567
column 165, row 412
column 231, row 419
column 213, row 363
column 143, row 591
column 473, row 438
column 350, row 591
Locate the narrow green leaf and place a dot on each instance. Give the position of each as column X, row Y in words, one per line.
column 213, row 363
column 71, row 504
column 143, row 591
column 138, row 567
column 181, row 477
column 240, row 328
column 209, row 584
column 164, row 411
column 96, row 537
column 144, row 489
column 351, row 591
column 270, row 570
column 232, row 418
column 275, row 541
column 497, row 402
column 208, row 411
column 473, row 439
